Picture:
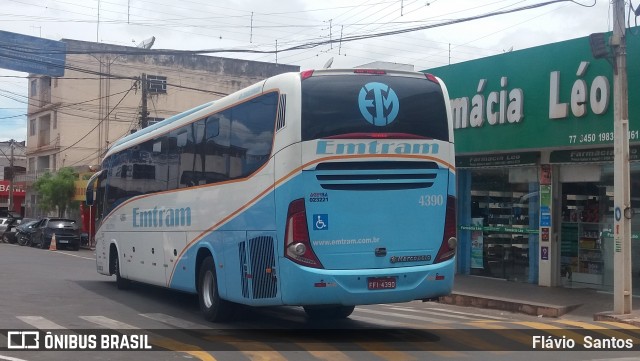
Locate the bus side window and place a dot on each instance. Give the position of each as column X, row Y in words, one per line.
column 252, row 134
column 214, row 149
column 212, row 127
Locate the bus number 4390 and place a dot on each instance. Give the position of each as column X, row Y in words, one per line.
column 431, row 200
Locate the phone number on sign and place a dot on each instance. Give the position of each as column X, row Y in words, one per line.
column 600, row 137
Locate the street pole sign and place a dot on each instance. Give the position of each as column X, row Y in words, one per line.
column 31, row 54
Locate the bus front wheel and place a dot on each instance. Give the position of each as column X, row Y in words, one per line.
column 328, row 312
column 121, row 282
column 212, row 306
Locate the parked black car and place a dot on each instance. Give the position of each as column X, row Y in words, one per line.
column 9, row 235
column 66, row 230
column 24, row 231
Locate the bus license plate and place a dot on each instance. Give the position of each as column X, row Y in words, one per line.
column 381, row 283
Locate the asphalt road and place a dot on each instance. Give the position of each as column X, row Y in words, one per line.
column 61, row 292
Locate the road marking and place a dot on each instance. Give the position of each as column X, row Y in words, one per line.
column 395, row 314
column 497, row 318
column 379, row 322
column 75, row 255
column 431, row 310
column 386, row 353
column 435, row 347
column 174, row 345
column 324, row 351
column 255, row 351
column 599, row 329
column 167, row 343
column 8, row 358
column 109, row 323
column 174, row 321
column 40, row 323
column 5, row 341
column 512, row 334
column 625, row 326
column 461, row 315
column 553, row 330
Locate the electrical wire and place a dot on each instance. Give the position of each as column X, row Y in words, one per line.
column 99, row 123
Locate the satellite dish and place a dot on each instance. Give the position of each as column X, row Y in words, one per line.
column 147, row 44
column 327, row 65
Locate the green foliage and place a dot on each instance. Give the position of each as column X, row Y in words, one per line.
column 57, row 191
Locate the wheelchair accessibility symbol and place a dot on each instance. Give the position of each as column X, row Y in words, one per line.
column 320, row 222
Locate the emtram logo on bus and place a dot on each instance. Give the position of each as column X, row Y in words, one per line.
column 161, row 217
column 378, row 104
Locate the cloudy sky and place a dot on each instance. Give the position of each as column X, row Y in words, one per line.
column 270, row 25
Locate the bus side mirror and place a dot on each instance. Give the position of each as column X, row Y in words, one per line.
column 89, row 197
column 90, row 187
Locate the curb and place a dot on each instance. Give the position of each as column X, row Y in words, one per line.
column 496, row 303
column 631, row 319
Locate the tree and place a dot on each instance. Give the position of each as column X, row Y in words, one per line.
column 57, row 191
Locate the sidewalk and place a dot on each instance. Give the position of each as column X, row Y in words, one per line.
column 536, row 300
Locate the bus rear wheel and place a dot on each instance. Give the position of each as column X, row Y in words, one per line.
column 328, row 312
column 212, row 306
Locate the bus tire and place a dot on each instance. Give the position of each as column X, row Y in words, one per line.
column 330, row 312
column 212, row 306
column 121, row 282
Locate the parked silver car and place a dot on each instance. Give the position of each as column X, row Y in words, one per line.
column 4, row 222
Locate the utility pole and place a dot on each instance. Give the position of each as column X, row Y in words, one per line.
column 11, row 177
column 144, row 119
column 621, row 198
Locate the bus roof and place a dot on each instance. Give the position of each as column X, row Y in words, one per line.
column 243, row 92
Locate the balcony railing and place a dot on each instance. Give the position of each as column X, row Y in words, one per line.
column 31, row 176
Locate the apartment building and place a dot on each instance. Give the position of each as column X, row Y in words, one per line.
column 73, row 119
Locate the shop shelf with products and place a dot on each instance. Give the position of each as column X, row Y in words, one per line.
column 581, row 249
column 591, row 262
column 506, row 222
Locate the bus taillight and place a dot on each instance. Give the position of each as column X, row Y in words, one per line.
column 306, row 74
column 449, row 240
column 297, row 243
column 431, row 77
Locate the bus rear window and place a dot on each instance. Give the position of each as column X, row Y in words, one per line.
column 338, row 105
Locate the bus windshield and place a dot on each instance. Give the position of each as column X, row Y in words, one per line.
column 406, row 105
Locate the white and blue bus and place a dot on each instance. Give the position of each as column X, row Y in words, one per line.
column 325, row 189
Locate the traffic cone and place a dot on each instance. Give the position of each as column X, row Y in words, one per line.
column 52, row 245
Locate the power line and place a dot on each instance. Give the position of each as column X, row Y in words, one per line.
column 307, row 45
column 99, row 123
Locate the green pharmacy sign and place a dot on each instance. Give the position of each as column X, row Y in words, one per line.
column 549, row 96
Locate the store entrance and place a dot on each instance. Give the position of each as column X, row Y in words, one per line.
column 504, row 212
column 583, row 251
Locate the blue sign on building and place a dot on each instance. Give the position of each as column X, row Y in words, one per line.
column 31, row 54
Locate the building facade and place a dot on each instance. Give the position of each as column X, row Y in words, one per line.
column 534, row 146
column 73, row 119
column 12, row 164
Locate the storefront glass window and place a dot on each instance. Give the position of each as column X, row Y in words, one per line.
column 504, row 222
